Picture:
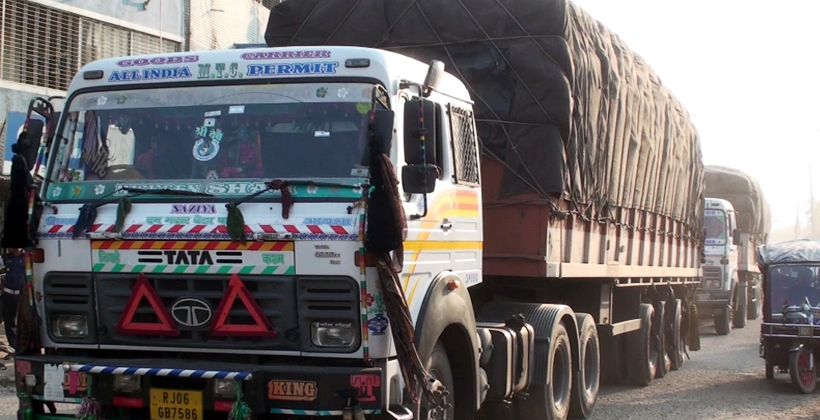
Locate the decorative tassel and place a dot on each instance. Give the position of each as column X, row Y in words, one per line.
column 89, row 408
column 28, row 414
column 240, row 409
column 236, row 223
column 287, row 199
column 88, row 214
column 123, row 208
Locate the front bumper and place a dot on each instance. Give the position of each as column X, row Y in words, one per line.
column 711, row 302
column 269, row 390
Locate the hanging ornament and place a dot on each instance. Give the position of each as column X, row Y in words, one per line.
column 89, row 408
column 240, row 409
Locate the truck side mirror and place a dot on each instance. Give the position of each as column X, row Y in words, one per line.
column 736, row 240
column 381, row 127
column 419, row 122
column 419, row 179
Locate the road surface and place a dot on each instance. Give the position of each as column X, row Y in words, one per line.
column 724, row 380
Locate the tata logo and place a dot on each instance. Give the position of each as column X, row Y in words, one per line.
column 292, row 390
column 177, row 257
column 191, row 312
column 193, row 209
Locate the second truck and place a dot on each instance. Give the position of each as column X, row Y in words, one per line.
column 222, row 232
column 737, row 220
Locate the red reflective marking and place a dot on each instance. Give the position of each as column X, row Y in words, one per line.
column 338, row 229
column 223, row 405
column 55, row 229
column 291, row 229
column 128, row 402
column 267, row 229
column 133, row 228
column 198, row 228
column 126, row 324
column 261, row 326
column 314, row 229
column 154, row 228
column 176, row 228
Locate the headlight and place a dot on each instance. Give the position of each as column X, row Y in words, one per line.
column 804, row 331
column 127, row 383
column 70, row 326
column 225, row 388
column 332, row 334
column 712, row 284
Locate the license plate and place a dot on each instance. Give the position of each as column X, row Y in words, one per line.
column 704, row 296
column 174, row 404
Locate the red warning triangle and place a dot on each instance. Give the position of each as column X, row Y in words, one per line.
column 126, row 324
column 261, row 326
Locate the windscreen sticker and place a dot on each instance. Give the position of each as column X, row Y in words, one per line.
column 151, row 74
column 280, row 55
column 321, row 92
column 257, row 70
column 236, row 109
column 205, row 150
column 208, row 123
column 321, row 134
column 158, row 61
column 219, row 71
column 343, row 92
column 213, row 113
column 363, row 107
column 102, row 100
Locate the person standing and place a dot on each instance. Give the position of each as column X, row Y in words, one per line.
column 15, row 262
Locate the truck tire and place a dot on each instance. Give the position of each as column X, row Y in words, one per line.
column 642, row 353
column 678, row 353
column 438, row 365
column 739, row 317
column 723, row 321
column 755, row 304
column 661, row 336
column 549, row 395
column 586, row 378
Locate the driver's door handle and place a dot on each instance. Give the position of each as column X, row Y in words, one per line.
column 446, row 225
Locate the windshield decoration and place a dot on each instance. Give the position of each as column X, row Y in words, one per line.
column 151, row 74
column 219, row 71
column 280, row 55
column 95, row 152
column 257, row 70
column 156, row 61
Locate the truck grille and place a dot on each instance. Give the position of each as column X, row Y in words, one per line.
column 276, row 295
column 712, row 273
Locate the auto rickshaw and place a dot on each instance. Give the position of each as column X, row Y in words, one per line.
column 790, row 334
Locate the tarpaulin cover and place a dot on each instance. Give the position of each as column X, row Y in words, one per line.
column 743, row 191
column 561, row 101
column 799, row 251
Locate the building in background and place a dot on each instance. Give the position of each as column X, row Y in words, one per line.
column 221, row 24
column 43, row 43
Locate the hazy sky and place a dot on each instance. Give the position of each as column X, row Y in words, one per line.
column 748, row 72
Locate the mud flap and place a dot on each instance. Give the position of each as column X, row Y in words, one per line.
column 691, row 319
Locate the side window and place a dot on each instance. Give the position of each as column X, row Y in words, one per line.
column 465, row 145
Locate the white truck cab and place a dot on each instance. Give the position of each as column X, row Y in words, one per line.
column 720, row 295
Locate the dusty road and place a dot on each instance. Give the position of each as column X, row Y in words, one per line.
column 724, row 380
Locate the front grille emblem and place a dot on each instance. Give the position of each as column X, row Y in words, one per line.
column 191, row 312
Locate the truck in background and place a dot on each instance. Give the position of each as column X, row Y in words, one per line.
column 216, row 227
column 737, row 220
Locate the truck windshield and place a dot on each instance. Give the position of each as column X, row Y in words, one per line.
column 307, row 130
column 715, row 223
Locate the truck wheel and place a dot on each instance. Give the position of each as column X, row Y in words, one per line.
column 438, row 365
column 586, row 379
column 754, row 307
column 551, row 401
column 723, row 321
column 659, row 334
column 548, row 397
column 642, row 351
column 678, row 353
column 802, row 370
column 739, row 317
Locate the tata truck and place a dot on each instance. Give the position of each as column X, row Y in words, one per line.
column 317, row 230
column 737, row 220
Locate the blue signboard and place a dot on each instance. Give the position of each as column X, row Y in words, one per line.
column 14, row 126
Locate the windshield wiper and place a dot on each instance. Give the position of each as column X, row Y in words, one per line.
column 88, row 212
column 236, row 221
